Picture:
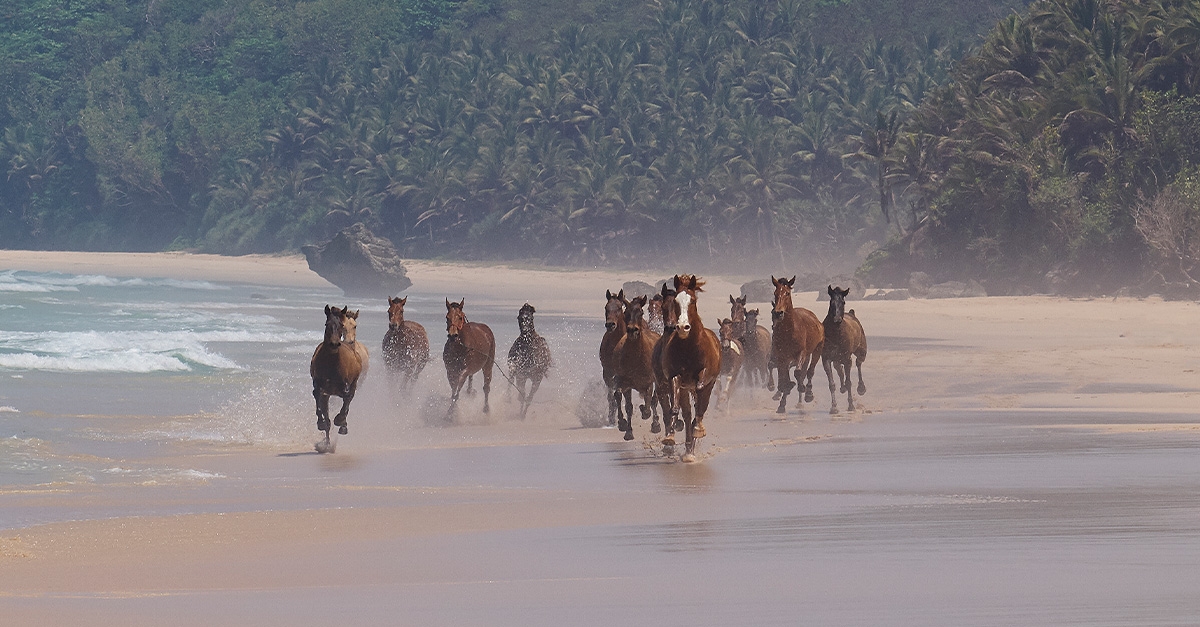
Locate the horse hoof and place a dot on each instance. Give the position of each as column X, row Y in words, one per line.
column 833, row 411
column 679, row 426
column 862, row 389
column 781, row 410
column 669, row 441
column 342, row 430
column 628, row 435
column 623, row 425
column 688, row 458
column 698, row 431
column 655, row 428
column 808, row 397
column 775, row 396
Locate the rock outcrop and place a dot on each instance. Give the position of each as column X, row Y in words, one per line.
column 360, row 262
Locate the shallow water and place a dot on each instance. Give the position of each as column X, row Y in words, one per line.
column 132, row 398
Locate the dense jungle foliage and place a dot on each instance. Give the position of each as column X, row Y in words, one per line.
column 1062, row 149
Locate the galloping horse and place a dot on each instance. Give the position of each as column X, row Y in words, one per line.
column 733, row 355
column 664, row 388
column 757, row 343
column 614, row 325
column 470, row 347
column 405, row 345
column 528, row 359
column 797, row 340
column 335, row 368
column 844, row 338
column 691, row 361
column 634, row 368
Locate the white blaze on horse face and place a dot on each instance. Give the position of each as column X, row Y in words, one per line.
column 685, row 322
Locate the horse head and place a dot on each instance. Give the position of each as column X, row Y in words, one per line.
column 783, row 297
column 728, row 332
column 455, row 318
column 686, row 310
column 635, row 317
column 614, row 309
column 334, row 325
column 396, row 312
column 751, row 321
column 349, row 326
column 525, row 319
column 837, row 304
column 737, row 315
column 669, row 308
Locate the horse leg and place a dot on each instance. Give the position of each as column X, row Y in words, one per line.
column 785, row 388
column 535, row 383
column 622, row 421
column 862, row 387
column 702, row 397
column 322, row 400
column 628, row 392
column 487, row 386
column 683, row 399
column 340, row 418
column 825, row 363
column 456, row 384
column 809, row 368
column 849, row 388
column 647, row 394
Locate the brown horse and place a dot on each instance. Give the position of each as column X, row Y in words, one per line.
column 757, row 342
column 664, row 388
column 844, row 338
column 691, row 361
column 733, row 356
column 635, row 369
column 796, row 341
column 335, row 369
column 528, row 359
column 470, row 348
column 405, row 345
column 614, row 332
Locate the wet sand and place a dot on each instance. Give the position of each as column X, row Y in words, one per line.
column 1016, row 461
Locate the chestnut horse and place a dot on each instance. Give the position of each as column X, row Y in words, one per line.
column 614, row 332
column 405, row 345
column 757, row 342
column 796, row 341
column 733, row 356
column 528, row 359
column 634, row 368
column 691, row 361
column 470, row 348
column 844, row 338
column 335, row 369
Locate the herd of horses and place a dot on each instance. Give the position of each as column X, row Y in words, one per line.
column 655, row 345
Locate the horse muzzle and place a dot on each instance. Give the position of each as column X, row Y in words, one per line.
column 776, row 314
column 610, row 325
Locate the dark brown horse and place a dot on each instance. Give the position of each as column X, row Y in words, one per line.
column 528, row 359
column 733, row 356
column 405, row 345
column 757, row 342
column 470, row 348
column 614, row 332
column 691, row 361
column 664, row 388
column 335, row 369
column 797, row 340
column 635, row 369
column 844, row 338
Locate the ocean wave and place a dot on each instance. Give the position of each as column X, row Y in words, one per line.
column 8, row 409
column 23, row 281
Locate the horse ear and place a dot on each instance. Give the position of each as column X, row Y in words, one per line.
column 402, row 300
column 608, row 294
column 621, row 294
column 326, row 310
column 678, row 282
column 462, row 303
column 353, row 314
column 792, row 283
column 447, row 304
column 830, row 290
column 732, row 300
column 774, row 281
column 663, row 292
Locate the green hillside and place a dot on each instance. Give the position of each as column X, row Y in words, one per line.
column 1061, row 149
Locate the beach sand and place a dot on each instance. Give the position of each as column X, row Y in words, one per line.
column 1017, row 460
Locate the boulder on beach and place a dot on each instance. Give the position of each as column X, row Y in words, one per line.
column 360, row 262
